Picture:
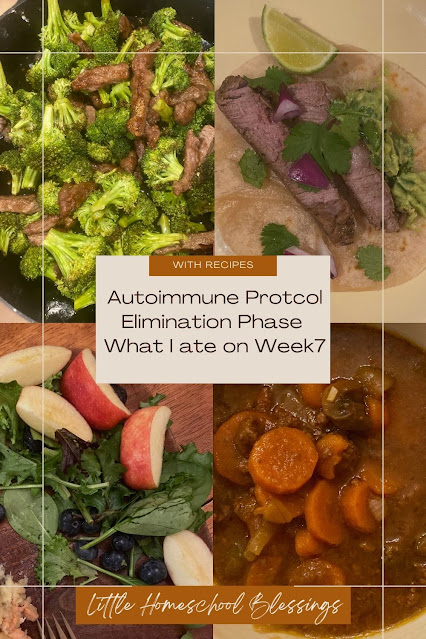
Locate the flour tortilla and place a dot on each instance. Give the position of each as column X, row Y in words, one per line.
column 243, row 210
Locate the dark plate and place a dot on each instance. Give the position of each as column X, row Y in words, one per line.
column 19, row 30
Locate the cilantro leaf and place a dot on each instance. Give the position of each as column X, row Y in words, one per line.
column 329, row 149
column 370, row 259
column 60, row 561
column 252, row 168
column 152, row 401
column 272, row 80
column 348, row 128
column 276, row 238
column 9, row 421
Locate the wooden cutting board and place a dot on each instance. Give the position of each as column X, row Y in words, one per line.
column 191, row 407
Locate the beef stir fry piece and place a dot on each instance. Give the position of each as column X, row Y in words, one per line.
column 197, row 149
column 72, row 196
column 76, row 38
column 101, row 77
column 26, row 204
column 140, row 84
column 251, row 114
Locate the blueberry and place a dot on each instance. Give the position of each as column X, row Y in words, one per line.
column 70, row 522
column 34, row 445
column 89, row 554
column 122, row 542
column 114, row 561
column 2, row 512
column 153, row 572
column 120, row 391
column 94, row 527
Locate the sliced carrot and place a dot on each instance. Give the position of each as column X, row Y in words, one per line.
column 372, row 473
column 374, row 409
column 317, row 572
column 322, row 513
column 283, row 460
column 356, row 509
column 330, row 450
column 279, row 509
column 264, row 571
column 312, row 394
column 229, row 460
column 307, row 545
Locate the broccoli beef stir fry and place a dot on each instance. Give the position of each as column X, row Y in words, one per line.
column 124, row 141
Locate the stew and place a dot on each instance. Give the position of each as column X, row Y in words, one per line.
column 300, row 498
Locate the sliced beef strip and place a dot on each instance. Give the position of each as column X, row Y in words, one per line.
column 104, row 167
column 90, row 112
column 26, row 204
column 100, row 77
column 36, row 239
column 3, row 124
column 140, row 148
column 152, row 134
column 366, row 184
column 198, row 75
column 140, row 83
column 194, row 243
column 196, row 151
column 72, row 196
column 37, row 227
column 197, row 94
column 129, row 163
column 363, row 179
column 252, row 116
column 184, row 112
column 76, row 38
column 125, row 27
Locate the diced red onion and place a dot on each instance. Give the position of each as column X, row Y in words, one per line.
column 287, row 108
column 295, row 250
column 323, row 250
column 306, row 171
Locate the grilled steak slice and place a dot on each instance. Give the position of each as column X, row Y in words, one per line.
column 314, row 98
column 366, row 183
column 26, row 204
column 251, row 115
column 100, row 77
column 363, row 179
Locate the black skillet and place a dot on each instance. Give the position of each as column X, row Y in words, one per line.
column 19, row 31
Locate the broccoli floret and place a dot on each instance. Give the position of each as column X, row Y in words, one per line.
column 66, row 114
column 97, row 222
column 170, row 203
column 87, row 298
column 190, row 46
column 33, row 265
column 99, row 152
column 161, row 165
column 121, row 189
column 85, row 29
column 30, row 178
column 54, row 35
column 164, row 111
column 19, row 243
column 120, row 149
column 11, row 161
column 10, row 226
column 110, row 124
column 48, row 197
column 162, row 25
column 57, row 151
column 144, row 211
column 101, row 45
column 183, row 224
column 75, row 256
column 170, row 73
column 108, row 24
column 27, row 128
column 50, row 67
column 136, row 41
column 208, row 57
column 200, row 197
column 78, row 169
column 137, row 241
column 83, row 64
column 10, row 104
column 120, row 93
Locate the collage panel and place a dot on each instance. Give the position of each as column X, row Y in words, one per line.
column 404, row 480
column 21, row 508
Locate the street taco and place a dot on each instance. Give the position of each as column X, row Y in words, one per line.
column 346, row 215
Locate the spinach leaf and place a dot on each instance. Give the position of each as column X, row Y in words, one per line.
column 15, row 467
column 152, row 547
column 9, row 420
column 168, row 518
column 24, row 513
column 108, row 455
column 197, row 466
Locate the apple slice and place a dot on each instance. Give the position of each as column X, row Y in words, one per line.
column 32, row 366
column 56, row 413
column 188, row 559
column 142, row 446
column 98, row 403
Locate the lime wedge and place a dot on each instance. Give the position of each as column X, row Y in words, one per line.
column 288, row 41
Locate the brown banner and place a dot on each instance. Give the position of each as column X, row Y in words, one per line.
column 213, row 605
column 204, row 265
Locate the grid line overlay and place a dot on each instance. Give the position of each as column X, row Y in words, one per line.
column 382, row 54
